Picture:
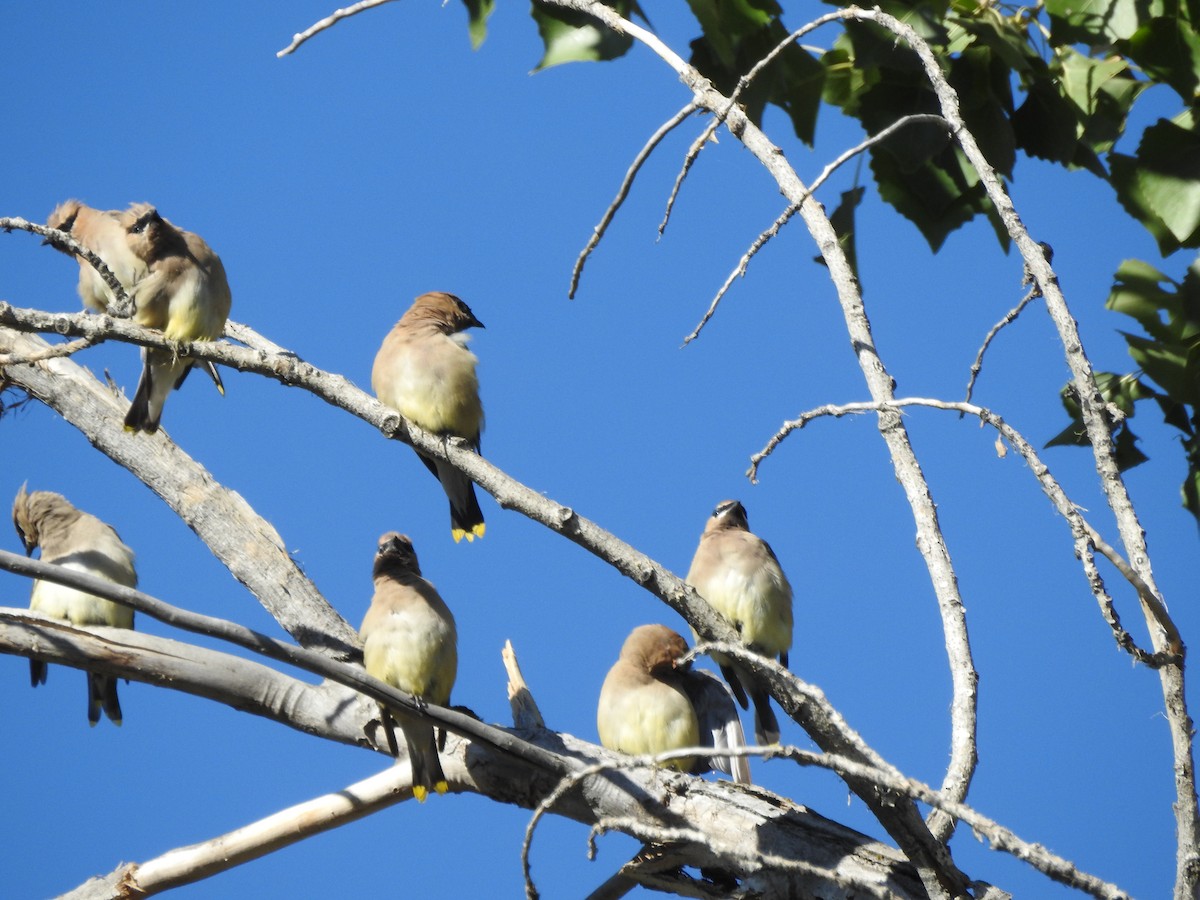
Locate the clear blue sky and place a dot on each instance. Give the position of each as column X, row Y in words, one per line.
column 386, row 159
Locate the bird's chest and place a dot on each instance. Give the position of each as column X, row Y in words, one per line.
column 438, row 389
column 413, row 650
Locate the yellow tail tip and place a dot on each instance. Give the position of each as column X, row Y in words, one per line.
column 420, row 793
column 476, row 531
column 441, row 787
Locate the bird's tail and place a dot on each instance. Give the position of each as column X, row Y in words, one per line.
column 37, row 672
column 423, row 756
column 466, row 518
column 766, row 726
column 102, row 694
column 161, row 373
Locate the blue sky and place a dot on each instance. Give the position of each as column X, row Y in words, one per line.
column 386, row 159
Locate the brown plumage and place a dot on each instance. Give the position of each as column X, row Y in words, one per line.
column 184, row 294
column 72, row 538
column 650, row 703
column 102, row 232
column 410, row 642
column 738, row 574
column 424, row 370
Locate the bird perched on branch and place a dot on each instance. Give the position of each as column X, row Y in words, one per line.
column 410, row 642
column 425, row 371
column 76, row 540
column 652, row 703
column 102, row 232
column 184, row 294
column 737, row 573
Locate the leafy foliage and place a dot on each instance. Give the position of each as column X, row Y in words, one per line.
column 1057, row 80
column 1169, row 366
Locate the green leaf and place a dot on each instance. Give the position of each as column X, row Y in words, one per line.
column 1093, row 23
column 842, row 220
column 1046, row 125
column 1191, row 484
column 985, row 99
column 794, row 80
column 1161, row 185
column 1137, row 292
column 1122, row 391
column 570, row 36
column 1168, row 50
column 931, row 194
column 725, row 23
column 1167, row 365
column 1103, row 91
column 478, row 12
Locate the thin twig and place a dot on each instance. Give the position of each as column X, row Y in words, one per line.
column 122, row 306
column 1092, row 412
column 327, row 22
column 740, row 269
column 999, row 837
column 623, row 191
column 689, row 160
column 1008, row 319
column 669, row 834
column 55, row 351
column 351, row 676
column 719, row 115
column 922, row 841
column 1158, row 609
column 887, row 780
column 1050, row 486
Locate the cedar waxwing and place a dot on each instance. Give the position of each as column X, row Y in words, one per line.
column 409, row 642
column 184, row 294
column 102, row 232
column 425, row 371
column 739, row 576
column 70, row 537
column 650, row 703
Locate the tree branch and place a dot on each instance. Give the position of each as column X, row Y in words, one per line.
column 1091, row 407
column 920, row 841
column 242, row 540
column 1083, row 532
column 644, row 797
column 740, row 269
column 187, row 865
column 623, row 191
column 63, row 240
column 328, row 22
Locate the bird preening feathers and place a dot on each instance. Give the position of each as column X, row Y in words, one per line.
column 425, row 371
column 737, row 573
column 72, row 538
column 651, row 703
column 410, row 642
column 175, row 280
column 102, row 232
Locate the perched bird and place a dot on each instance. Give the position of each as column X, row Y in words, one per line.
column 102, row 232
column 651, row 703
column 409, row 642
column 739, row 576
column 72, row 538
column 184, row 294
column 425, row 371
